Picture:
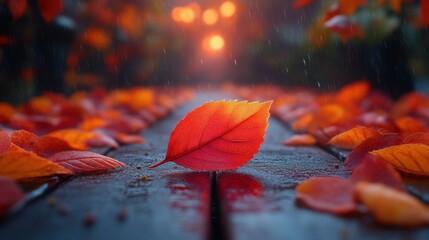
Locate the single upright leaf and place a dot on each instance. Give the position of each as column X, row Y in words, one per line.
column 392, row 207
column 20, row 164
column 411, row 158
column 327, row 194
column 82, row 161
column 218, row 135
column 10, row 194
column 353, row 137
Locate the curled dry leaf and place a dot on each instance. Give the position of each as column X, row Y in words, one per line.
column 218, row 135
column 392, row 207
column 20, row 164
column 10, row 194
column 300, row 140
column 353, row 137
column 411, row 158
column 82, row 161
column 327, row 194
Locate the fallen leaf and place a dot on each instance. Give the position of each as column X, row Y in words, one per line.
column 83, row 140
column 82, row 161
column 375, row 170
column 327, row 194
column 411, row 158
column 17, row 8
column 418, row 137
column 409, row 125
column 392, row 207
column 356, row 156
column 300, row 140
column 43, row 146
column 5, row 142
column 218, row 135
column 10, row 194
column 353, row 137
column 354, row 92
column 19, row 164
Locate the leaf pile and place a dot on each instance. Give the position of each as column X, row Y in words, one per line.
column 51, row 134
column 382, row 135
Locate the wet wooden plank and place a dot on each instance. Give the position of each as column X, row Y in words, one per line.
column 163, row 203
column 257, row 201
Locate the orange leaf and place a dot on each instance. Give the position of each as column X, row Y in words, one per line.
column 18, row 165
column 411, row 158
column 218, row 135
column 350, row 6
column 353, row 137
column 83, row 140
column 392, row 207
column 300, row 140
column 6, row 112
column 302, row 123
column 327, row 194
column 409, row 125
column 10, row 194
column 354, row 92
column 42, row 146
column 50, row 9
column 82, row 161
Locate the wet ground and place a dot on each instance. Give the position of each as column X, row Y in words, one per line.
column 171, row 202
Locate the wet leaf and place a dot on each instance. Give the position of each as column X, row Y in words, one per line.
column 300, row 140
column 375, row 170
column 218, row 135
column 43, row 146
column 411, row 158
column 10, row 194
column 82, row 161
column 20, row 164
column 353, row 137
column 392, row 207
column 327, row 194
column 83, row 140
column 356, row 156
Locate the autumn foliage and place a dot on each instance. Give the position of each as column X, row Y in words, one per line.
column 52, row 135
column 384, row 138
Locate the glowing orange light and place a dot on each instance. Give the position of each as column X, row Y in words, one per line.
column 216, row 42
column 210, row 16
column 175, row 14
column 227, row 9
column 187, row 14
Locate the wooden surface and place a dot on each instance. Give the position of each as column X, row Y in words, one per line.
column 171, row 202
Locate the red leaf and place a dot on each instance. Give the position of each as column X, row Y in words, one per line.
column 418, row 137
column 4, row 142
column 42, row 146
column 327, row 194
column 10, row 194
column 82, row 161
column 356, row 156
column 301, row 3
column 49, row 9
column 17, row 8
column 375, row 170
column 218, row 135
